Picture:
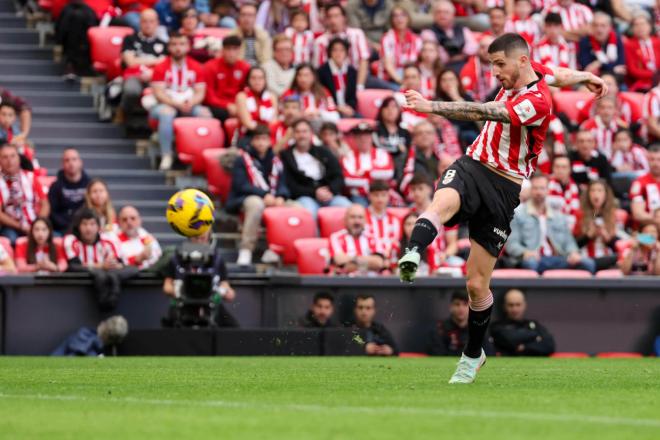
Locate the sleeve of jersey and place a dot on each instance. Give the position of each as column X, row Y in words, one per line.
column 547, row 72
column 158, row 75
column 529, row 109
column 636, row 192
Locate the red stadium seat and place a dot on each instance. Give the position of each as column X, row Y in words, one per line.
column 6, row 243
column 636, row 104
column 45, row 5
column 566, row 273
column 312, row 255
column 219, row 180
column 105, row 48
column 46, row 182
column 219, row 33
column 331, row 219
column 193, row 136
column 399, row 213
column 370, row 100
column 231, row 125
column 569, row 355
column 570, row 103
column 515, row 273
column 609, row 273
column 284, row 226
column 412, row 355
column 619, row 355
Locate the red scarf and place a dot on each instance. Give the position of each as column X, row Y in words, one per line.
column 257, row 179
column 648, row 53
column 610, row 54
column 339, row 79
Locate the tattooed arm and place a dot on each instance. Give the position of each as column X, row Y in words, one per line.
column 461, row 111
column 568, row 77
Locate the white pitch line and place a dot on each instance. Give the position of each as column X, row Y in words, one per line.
column 525, row 416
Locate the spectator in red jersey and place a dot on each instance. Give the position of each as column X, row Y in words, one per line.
column 256, row 47
column 398, row 46
column 202, row 48
column 604, row 124
column 576, row 18
column 498, row 21
column 563, row 192
column 651, row 116
column 552, row 50
column 522, row 22
column 302, row 38
column 137, row 247
column 624, row 104
column 643, row 256
column 596, row 229
column 23, row 111
column 21, row 196
column 355, row 249
column 281, row 131
column 642, row 53
column 87, row 251
column 602, row 51
column 645, row 191
column 587, row 163
column 97, row 199
column 389, row 134
column 628, row 158
column 7, row 265
column 365, row 164
column 382, row 225
column 320, row 314
column 429, row 65
column 450, row 89
column 179, row 88
column 318, row 104
column 331, row 138
column 339, row 78
column 10, row 134
column 40, row 254
column 378, row 340
column 280, row 70
column 225, row 77
column 476, row 76
column 255, row 105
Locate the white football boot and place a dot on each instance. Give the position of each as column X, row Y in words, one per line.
column 467, row 368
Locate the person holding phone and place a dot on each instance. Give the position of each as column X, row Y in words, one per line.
column 642, row 257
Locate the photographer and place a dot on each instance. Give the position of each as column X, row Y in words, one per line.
column 187, row 310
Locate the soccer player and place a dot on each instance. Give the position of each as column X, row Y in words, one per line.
column 482, row 187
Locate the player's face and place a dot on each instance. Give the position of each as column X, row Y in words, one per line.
column 89, row 229
column 365, row 310
column 379, row 199
column 539, row 190
column 505, row 69
column 322, row 310
column 654, row 163
column 597, row 195
column 458, row 310
column 515, row 306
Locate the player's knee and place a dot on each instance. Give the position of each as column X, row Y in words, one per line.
column 477, row 286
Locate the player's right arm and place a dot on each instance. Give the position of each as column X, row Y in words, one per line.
column 460, row 111
column 563, row 77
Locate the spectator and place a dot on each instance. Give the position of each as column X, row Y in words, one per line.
column 372, row 16
column 563, row 192
column 624, row 104
column 140, row 53
column 225, row 11
column 10, row 134
column 399, row 46
column 450, row 89
column 423, row 156
column 476, row 76
column 456, row 41
column 71, row 27
column 225, row 77
column 389, row 134
column 331, row 137
column 429, row 65
column 257, row 183
column 280, row 70
column 552, row 50
column 642, row 53
column 281, row 130
column 67, row 193
column 274, row 16
column 354, row 249
column 540, row 239
column 24, row 114
column 137, row 247
column 170, row 14
column 420, row 193
column 645, row 191
column 202, row 48
column 255, row 105
column 339, row 77
column 497, row 20
column 320, row 314
column 412, row 80
column 40, row 254
column 364, row 164
column 378, row 341
column 522, row 22
column 576, row 18
column 516, row 336
column 317, row 102
column 87, row 251
column 131, row 11
column 449, row 337
column 596, row 229
column 313, row 173
column 173, row 283
column 604, row 124
column 382, row 224
column 628, row 158
column 256, row 46
column 7, row 265
column 174, row 96
column 642, row 256
column 602, row 51
column 301, row 36
column 21, row 196
column 97, row 199
column 586, row 162
column 651, row 114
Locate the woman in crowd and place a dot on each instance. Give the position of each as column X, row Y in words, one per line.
column 450, row 89
column 40, row 254
column 97, row 198
column 398, row 46
column 389, row 134
column 596, row 229
column 429, row 65
column 255, row 104
column 642, row 256
column 340, row 78
column 317, row 103
column 642, row 54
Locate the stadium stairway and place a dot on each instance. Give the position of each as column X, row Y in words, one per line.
column 64, row 117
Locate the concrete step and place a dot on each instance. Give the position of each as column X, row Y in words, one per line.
column 156, row 224
column 25, row 51
column 48, row 98
column 147, row 208
column 21, row 36
column 7, row 7
column 10, row 20
column 54, row 129
column 137, row 177
column 37, row 82
column 52, row 161
column 64, row 114
column 146, row 192
column 85, row 145
column 30, row 67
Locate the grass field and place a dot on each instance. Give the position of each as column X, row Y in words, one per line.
column 327, row 398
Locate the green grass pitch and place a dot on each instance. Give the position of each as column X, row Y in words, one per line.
column 327, row 398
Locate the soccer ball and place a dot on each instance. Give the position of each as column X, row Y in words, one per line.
column 190, row 212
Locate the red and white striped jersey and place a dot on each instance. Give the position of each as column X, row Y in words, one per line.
column 386, row 227
column 634, row 159
column 262, row 108
column 359, row 47
column 564, row 199
column 400, row 51
column 90, row 254
column 573, row 16
column 20, row 195
column 527, row 28
column 309, row 101
column 360, row 169
column 131, row 247
column 428, row 83
column 303, row 45
column 603, row 132
column 341, row 242
column 559, row 54
column 651, row 107
column 179, row 80
column 646, row 189
column 514, row 147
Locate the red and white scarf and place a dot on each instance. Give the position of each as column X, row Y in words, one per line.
column 261, row 108
column 648, row 54
column 340, row 80
column 257, row 178
column 18, row 197
column 609, row 54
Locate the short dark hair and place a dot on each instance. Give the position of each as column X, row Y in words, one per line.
column 497, row 8
column 364, row 297
column 8, row 104
column 421, row 179
column 176, row 34
column 232, row 41
column 260, row 130
column 378, row 185
column 553, row 18
column 508, row 43
column 296, row 12
column 460, row 295
column 623, row 130
column 337, row 6
column 560, row 156
column 8, row 145
column 539, row 175
column 297, row 122
column 83, row 213
column 329, row 126
column 323, row 295
column 338, row 40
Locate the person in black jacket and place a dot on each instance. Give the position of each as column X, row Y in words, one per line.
column 312, row 173
column 340, row 78
column 320, row 314
column 516, row 336
column 379, row 340
column 67, row 193
column 587, row 163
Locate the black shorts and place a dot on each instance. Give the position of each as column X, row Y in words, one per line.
column 487, row 202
